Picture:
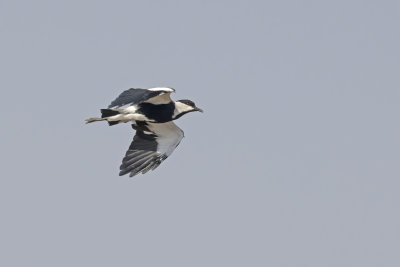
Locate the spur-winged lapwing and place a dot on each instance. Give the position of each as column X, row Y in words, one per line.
column 151, row 112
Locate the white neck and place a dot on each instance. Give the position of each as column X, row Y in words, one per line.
column 181, row 108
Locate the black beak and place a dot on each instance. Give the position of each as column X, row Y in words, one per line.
column 198, row 109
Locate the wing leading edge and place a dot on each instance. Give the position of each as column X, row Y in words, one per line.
column 136, row 95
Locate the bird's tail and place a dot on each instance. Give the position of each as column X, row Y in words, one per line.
column 90, row 120
column 105, row 114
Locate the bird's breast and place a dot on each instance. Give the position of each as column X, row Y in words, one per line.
column 157, row 113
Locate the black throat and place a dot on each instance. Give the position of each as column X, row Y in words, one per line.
column 158, row 113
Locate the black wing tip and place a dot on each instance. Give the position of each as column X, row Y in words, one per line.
column 152, row 165
column 132, row 173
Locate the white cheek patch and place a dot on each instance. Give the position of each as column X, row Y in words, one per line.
column 181, row 108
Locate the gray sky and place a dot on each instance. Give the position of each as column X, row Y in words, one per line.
column 295, row 161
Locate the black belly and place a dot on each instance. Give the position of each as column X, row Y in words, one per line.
column 158, row 113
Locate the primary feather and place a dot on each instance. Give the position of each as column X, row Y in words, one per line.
column 151, row 112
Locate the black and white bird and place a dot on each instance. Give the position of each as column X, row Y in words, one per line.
column 151, row 112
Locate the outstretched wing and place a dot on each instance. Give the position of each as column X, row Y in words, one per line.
column 152, row 144
column 159, row 95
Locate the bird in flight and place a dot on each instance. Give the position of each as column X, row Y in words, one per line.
column 151, row 112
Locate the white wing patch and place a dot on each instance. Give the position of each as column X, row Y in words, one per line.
column 168, row 136
column 151, row 145
column 134, row 96
column 163, row 98
column 166, row 89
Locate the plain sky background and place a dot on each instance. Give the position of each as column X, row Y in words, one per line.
column 295, row 162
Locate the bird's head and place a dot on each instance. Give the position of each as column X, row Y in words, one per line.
column 184, row 106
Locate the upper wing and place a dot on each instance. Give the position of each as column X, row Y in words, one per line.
column 152, row 144
column 159, row 95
